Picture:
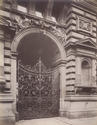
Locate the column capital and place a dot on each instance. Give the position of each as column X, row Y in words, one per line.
column 2, row 38
column 14, row 55
column 59, row 63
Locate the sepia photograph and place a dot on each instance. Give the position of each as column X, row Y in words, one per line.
column 48, row 62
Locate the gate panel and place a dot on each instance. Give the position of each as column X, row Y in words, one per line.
column 36, row 96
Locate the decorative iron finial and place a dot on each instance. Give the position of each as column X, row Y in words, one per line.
column 40, row 65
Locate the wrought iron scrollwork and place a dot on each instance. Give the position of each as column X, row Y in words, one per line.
column 35, row 94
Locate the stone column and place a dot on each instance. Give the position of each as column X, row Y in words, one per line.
column 14, row 79
column 2, row 79
column 62, row 71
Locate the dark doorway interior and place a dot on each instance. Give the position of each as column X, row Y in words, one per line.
column 38, row 94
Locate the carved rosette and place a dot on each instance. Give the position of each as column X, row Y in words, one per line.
column 84, row 25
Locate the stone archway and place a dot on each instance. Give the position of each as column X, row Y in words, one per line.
column 21, row 34
column 53, row 55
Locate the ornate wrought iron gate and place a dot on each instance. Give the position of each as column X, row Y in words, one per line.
column 37, row 97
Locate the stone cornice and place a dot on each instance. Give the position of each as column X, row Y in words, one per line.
column 90, row 5
column 80, row 45
column 20, row 21
column 16, row 12
column 83, row 54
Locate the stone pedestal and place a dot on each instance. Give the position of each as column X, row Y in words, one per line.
column 80, row 106
column 7, row 116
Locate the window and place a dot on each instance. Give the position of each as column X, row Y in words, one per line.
column 85, row 88
column 86, row 73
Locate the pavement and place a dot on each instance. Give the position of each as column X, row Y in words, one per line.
column 59, row 121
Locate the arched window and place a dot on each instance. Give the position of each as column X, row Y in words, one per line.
column 86, row 73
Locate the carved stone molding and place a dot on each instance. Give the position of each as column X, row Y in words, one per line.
column 19, row 24
column 4, row 22
column 27, row 23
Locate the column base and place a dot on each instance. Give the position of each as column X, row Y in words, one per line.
column 62, row 113
column 7, row 116
column 7, row 120
column 80, row 114
column 80, row 106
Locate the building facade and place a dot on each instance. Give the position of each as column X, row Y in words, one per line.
column 48, row 61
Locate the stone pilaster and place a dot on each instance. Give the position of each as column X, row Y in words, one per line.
column 7, row 116
column 62, row 70
column 77, row 30
column 14, row 83
column 96, row 72
column 7, row 60
column 70, row 74
column 2, row 79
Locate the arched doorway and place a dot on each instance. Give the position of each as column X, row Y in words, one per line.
column 37, row 97
column 40, row 74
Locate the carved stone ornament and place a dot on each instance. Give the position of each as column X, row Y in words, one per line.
column 84, row 24
column 4, row 22
column 23, row 23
